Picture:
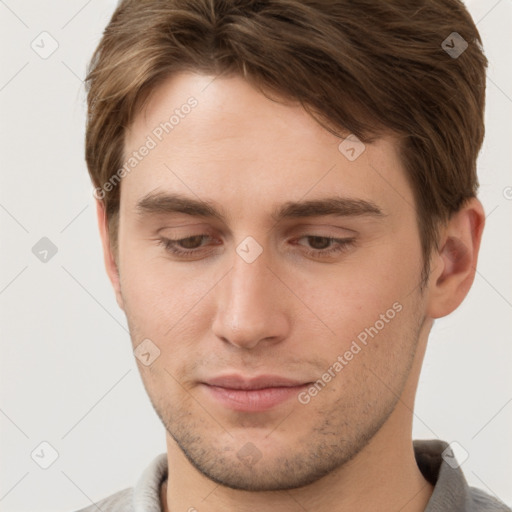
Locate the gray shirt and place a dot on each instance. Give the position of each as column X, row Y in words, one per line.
column 451, row 491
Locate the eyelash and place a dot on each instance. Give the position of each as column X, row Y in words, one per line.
column 343, row 244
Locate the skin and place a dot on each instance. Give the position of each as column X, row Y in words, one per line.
column 291, row 312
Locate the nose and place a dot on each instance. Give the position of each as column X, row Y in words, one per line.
column 251, row 306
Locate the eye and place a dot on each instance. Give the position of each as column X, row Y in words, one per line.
column 321, row 246
column 190, row 245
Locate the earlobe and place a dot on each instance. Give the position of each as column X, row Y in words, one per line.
column 111, row 265
column 456, row 259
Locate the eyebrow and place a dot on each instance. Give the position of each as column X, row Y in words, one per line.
column 165, row 203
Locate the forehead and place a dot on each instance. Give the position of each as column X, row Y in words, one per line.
column 221, row 139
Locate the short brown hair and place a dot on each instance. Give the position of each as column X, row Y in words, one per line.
column 365, row 67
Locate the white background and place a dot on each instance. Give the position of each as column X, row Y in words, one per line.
column 67, row 373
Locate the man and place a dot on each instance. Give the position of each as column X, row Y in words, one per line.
column 286, row 197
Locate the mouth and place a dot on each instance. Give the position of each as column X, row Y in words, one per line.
column 253, row 394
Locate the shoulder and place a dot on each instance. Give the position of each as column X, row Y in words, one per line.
column 483, row 502
column 439, row 466
column 121, row 501
column 143, row 497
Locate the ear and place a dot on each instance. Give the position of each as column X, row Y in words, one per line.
column 108, row 256
column 454, row 263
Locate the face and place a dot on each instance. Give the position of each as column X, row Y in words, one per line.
column 278, row 278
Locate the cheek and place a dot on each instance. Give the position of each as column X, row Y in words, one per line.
column 162, row 300
column 369, row 308
column 354, row 297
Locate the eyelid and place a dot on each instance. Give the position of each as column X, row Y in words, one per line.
column 182, row 231
column 201, row 226
column 297, row 229
column 320, row 230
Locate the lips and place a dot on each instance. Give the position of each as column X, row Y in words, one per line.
column 251, row 383
column 252, row 394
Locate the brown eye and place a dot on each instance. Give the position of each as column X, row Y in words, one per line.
column 192, row 242
column 319, row 242
column 324, row 246
column 195, row 246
